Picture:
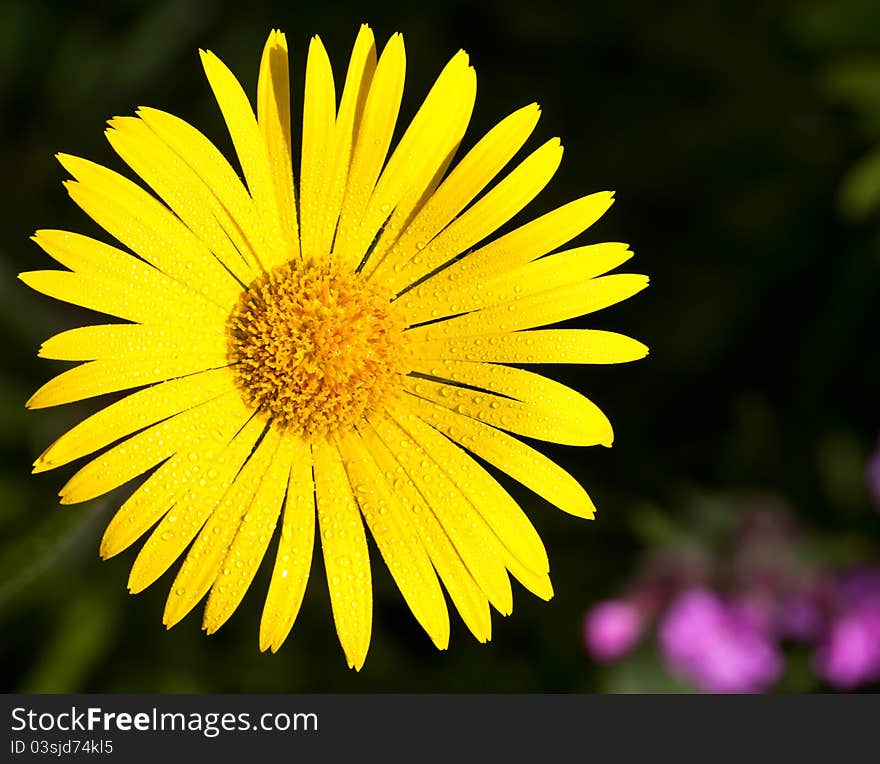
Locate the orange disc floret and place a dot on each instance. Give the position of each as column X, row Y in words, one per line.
column 314, row 347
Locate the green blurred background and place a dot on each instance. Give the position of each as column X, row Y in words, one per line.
column 738, row 136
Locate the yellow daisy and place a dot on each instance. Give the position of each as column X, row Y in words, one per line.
column 329, row 352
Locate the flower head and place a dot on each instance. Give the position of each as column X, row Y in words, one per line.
column 849, row 655
column 612, row 628
column 717, row 646
column 329, row 352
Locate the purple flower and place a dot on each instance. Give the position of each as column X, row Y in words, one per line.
column 716, row 646
column 611, row 629
column 850, row 654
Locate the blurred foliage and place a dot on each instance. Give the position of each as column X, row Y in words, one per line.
column 641, row 673
column 846, row 34
column 734, row 132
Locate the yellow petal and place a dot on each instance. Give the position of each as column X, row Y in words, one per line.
column 522, row 245
column 537, row 346
column 319, row 112
column 473, row 539
column 109, row 376
column 205, row 558
column 122, row 342
column 193, row 505
column 237, row 214
column 361, row 67
column 273, row 117
column 501, row 513
column 250, row 542
column 148, row 228
column 434, row 132
column 132, row 413
column 537, row 583
column 113, row 282
column 178, row 185
column 447, row 296
column 397, row 539
column 253, row 157
column 186, row 479
column 294, row 556
column 510, row 455
column 546, row 406
column 419, row 193
column 542, row 394
column 467, row 596
column 470, row 176
column 371, row 147
column 345, row 554
column 483, row 217
column 539, row 309
column 139, row 453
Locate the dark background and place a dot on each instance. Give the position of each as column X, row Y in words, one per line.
column 738, row 137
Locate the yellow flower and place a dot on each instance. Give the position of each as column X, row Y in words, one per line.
column 327, row 352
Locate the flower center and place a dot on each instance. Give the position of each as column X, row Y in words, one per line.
column 314, row 347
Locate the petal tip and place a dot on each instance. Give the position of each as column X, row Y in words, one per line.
column 137, row 583
column 173, row 615
column 41, row 466
column 210, row 627
column 208, row 58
